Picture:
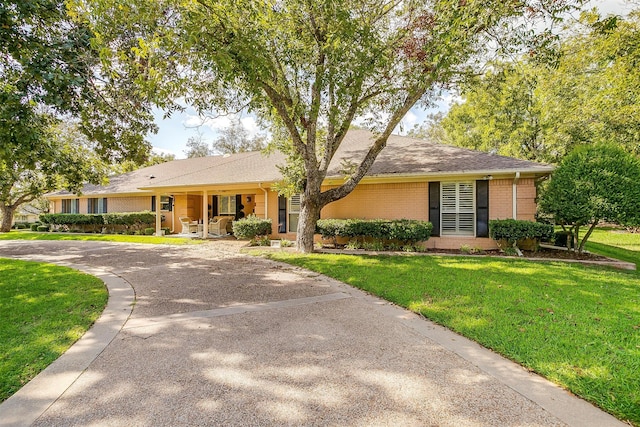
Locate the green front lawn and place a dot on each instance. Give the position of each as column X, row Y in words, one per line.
column 578, row 326
column 30, row 235
column 616, row 244
column 44, row 309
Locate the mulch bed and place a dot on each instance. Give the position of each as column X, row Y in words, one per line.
column 540, row 253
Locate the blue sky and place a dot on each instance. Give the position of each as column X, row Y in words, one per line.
column 174, row 132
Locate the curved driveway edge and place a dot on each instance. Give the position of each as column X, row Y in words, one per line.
column 219, row 338
column 32, row 400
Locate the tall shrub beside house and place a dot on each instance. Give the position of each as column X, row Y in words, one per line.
column 592, row 184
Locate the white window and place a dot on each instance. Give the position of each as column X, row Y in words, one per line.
column 457, row 208
column 294, row 212
column 227, row 205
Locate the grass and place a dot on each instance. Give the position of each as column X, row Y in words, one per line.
column 578, row 326
column 30, row 235
column 616, row 244
column 44, row 309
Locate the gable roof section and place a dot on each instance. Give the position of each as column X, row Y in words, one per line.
column 402, row 156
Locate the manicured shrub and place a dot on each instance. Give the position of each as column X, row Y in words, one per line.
column 383, row 232
column 42, row 228
column 149, row 231
column 34, row 227
column 513, row 231
column 251, row 226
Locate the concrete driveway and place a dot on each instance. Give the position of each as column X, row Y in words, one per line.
column 219, row 338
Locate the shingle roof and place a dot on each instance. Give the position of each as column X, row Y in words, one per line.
column 402, row 156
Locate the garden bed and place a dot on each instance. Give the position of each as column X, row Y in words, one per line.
column 542, row 254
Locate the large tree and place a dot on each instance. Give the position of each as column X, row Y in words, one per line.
column 534, row 111
column 49, row 72
column 310, row 67
column 61, row 157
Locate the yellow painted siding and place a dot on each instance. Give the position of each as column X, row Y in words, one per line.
column 259, row 204
column 390, row 201
column 125, row 204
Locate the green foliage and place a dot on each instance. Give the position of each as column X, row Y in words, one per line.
column 251, row 226
column 113, row 221
column 594, row 183
column 533, row 111
column 42, row 228
column 404, row 231
column 149, row 231
column 513, row 230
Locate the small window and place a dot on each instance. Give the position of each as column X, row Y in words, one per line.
column 165, row 203
column 71, row 206
column 457, row 202
column 227, row 205
column 294, row 212
column 97, row 205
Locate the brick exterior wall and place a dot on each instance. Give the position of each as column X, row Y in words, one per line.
column 501, row 199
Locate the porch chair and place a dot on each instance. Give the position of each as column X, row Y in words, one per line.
column 188, row 226
column 218, row 227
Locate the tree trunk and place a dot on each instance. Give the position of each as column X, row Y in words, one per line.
column 6, row 213
column 309, row 215
column 587, row 235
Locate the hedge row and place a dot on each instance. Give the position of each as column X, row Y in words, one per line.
column 406, row 231
column 111, row 221
column 513, row 230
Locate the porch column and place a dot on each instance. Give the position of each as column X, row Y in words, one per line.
column 158, row 216
column 205, row 214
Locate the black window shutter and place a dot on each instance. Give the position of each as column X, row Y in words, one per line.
column 482, row 208
column 282, row 214
column 104, row 205
column 239, row 206
column 214, row 205
column 77, row 205
column 153, row 203
column 170, row 204
column 434, row 207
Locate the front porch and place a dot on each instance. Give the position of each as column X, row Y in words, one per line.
column 207, row 213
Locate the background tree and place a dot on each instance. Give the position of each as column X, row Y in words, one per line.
column 198, row 147
column 533, row 111
column 591, row 184
column 60, row 157
column 310, row 68
column 152, row 159
column 235, row 139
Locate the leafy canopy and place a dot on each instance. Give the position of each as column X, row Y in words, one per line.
column 530, row 110
column 594, row 183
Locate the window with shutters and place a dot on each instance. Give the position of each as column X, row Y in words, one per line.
column 227, row 205
column 294, row 212
column 457, row 208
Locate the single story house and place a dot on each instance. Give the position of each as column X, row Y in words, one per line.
column 458, row 190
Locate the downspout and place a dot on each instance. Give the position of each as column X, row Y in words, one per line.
column 515, row 195
column 266, row 201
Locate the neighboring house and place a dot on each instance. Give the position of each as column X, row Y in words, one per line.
column 26, row 213
column 458, row 190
